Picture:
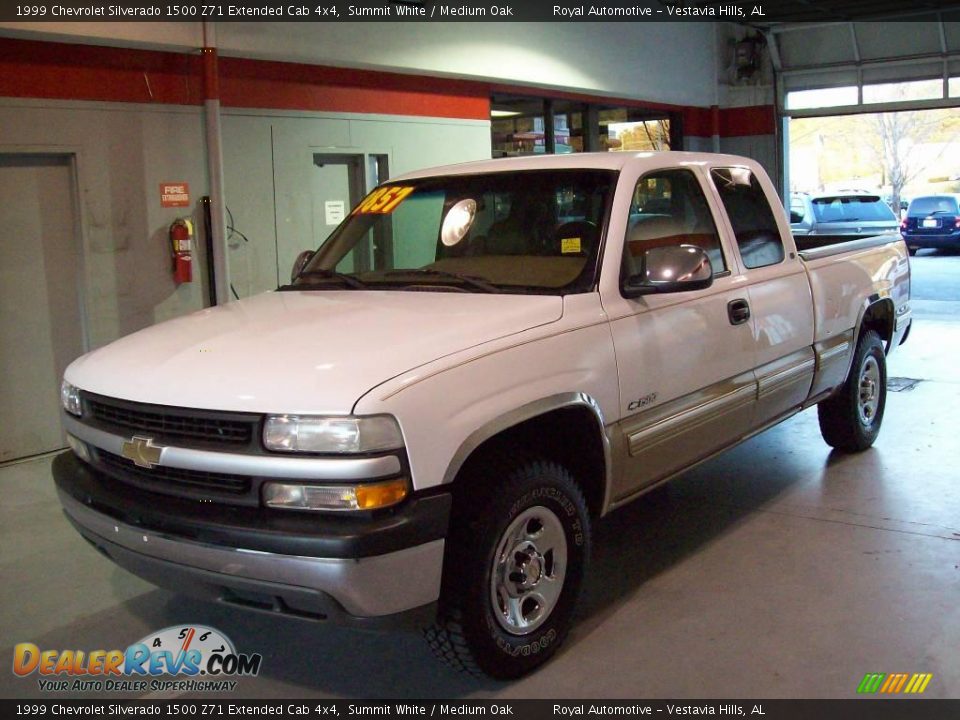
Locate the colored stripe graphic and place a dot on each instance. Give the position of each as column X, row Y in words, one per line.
column 894, row 683
column 919, row 683
column 871, row 682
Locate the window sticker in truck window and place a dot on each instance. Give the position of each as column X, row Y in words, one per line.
column 383, row 201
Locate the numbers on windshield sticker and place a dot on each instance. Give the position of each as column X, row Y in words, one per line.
column 383, row 201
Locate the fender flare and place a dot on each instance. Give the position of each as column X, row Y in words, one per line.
column 529, row 411
column 878, row 298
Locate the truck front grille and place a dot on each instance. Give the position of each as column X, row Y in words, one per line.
column 170, row 480
column 172, row 423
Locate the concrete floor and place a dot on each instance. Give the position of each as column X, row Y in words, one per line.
column 780, row 570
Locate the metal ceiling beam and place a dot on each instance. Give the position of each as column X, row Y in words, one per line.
column 873, row 108
column 838, row 16
column 902, row 60
column 773, row 48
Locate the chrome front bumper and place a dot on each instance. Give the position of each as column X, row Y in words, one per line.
column 367, row 587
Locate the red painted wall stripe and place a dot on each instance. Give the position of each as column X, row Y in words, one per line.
column 87, row 72
column 36, row 69
column 62, row 71
column 696, row 122
column 730, row 122
column 754, row 120
column 289, row 86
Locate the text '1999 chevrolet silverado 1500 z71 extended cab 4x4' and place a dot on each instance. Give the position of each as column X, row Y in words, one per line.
column 478, row 364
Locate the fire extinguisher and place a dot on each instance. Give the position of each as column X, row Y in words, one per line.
column 181, row 246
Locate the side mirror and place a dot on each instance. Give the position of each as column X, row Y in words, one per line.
column 795, row 217
column 300, row 263
column 675, row 268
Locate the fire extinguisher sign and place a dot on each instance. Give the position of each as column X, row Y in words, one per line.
column 174, row 195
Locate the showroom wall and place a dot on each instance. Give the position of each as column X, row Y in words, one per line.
column 270, row 173
column 122, row 155
column 572, row 56
column 138, row 123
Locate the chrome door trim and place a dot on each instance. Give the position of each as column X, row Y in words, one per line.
column 782, row 377
column 692, row 411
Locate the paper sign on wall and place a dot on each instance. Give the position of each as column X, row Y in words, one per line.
column 334, row 211
column 174, row 194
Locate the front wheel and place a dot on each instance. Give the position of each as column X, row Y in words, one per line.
column 850, row 419
column 518, row 547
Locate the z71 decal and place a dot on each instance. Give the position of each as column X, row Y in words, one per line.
column 643, row 402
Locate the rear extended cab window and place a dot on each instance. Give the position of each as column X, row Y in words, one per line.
column 754, row 224
column 669, row 208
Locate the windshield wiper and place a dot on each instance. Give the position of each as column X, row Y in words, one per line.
column 471, row 280
column 348, row 280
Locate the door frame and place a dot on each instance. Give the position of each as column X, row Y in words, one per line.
column 73, row 154
column 70, row 156
column 362, row 164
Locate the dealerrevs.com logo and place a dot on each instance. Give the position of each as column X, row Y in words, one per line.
column 203, row 658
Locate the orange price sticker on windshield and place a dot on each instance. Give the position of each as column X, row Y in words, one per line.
column 383, row 201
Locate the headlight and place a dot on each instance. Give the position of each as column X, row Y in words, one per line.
column 367, row 496
column 305, row 433
column 70, row 398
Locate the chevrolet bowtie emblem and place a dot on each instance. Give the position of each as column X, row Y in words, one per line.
column 142, row 451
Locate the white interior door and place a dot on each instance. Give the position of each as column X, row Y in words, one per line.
column 40, row 324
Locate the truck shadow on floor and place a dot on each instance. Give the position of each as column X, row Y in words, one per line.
column 677, row 519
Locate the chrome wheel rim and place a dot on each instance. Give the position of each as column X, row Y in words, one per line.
column 528, row 571
column 868, row 398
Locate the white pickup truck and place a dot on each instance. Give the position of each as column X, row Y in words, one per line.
column 479, row 363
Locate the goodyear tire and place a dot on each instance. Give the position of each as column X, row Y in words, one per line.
column 517, row 551
column 850, row 419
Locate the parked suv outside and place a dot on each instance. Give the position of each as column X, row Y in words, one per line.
column 933, row 221
column 848, row 213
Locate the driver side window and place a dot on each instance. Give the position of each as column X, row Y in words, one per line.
column 669, row 208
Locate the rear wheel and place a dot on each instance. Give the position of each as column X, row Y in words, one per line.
column 518, row 547
column 912, row 250
column 850, row 419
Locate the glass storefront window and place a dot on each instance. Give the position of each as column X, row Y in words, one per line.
column 529, row 126
column 900, row 91
column 821, row 98
column 517, row 126
column 642, row 136
column 630, row 130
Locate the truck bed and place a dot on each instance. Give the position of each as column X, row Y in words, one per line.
column 812, row 247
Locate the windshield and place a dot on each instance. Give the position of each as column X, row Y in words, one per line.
column 852, row 209
column 535, row 231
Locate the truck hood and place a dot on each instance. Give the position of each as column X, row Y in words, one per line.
column 301, row 352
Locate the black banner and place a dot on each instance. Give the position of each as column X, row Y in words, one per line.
column 858, row 709
column 759, row 11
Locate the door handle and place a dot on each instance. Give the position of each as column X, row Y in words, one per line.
column 738, row 311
